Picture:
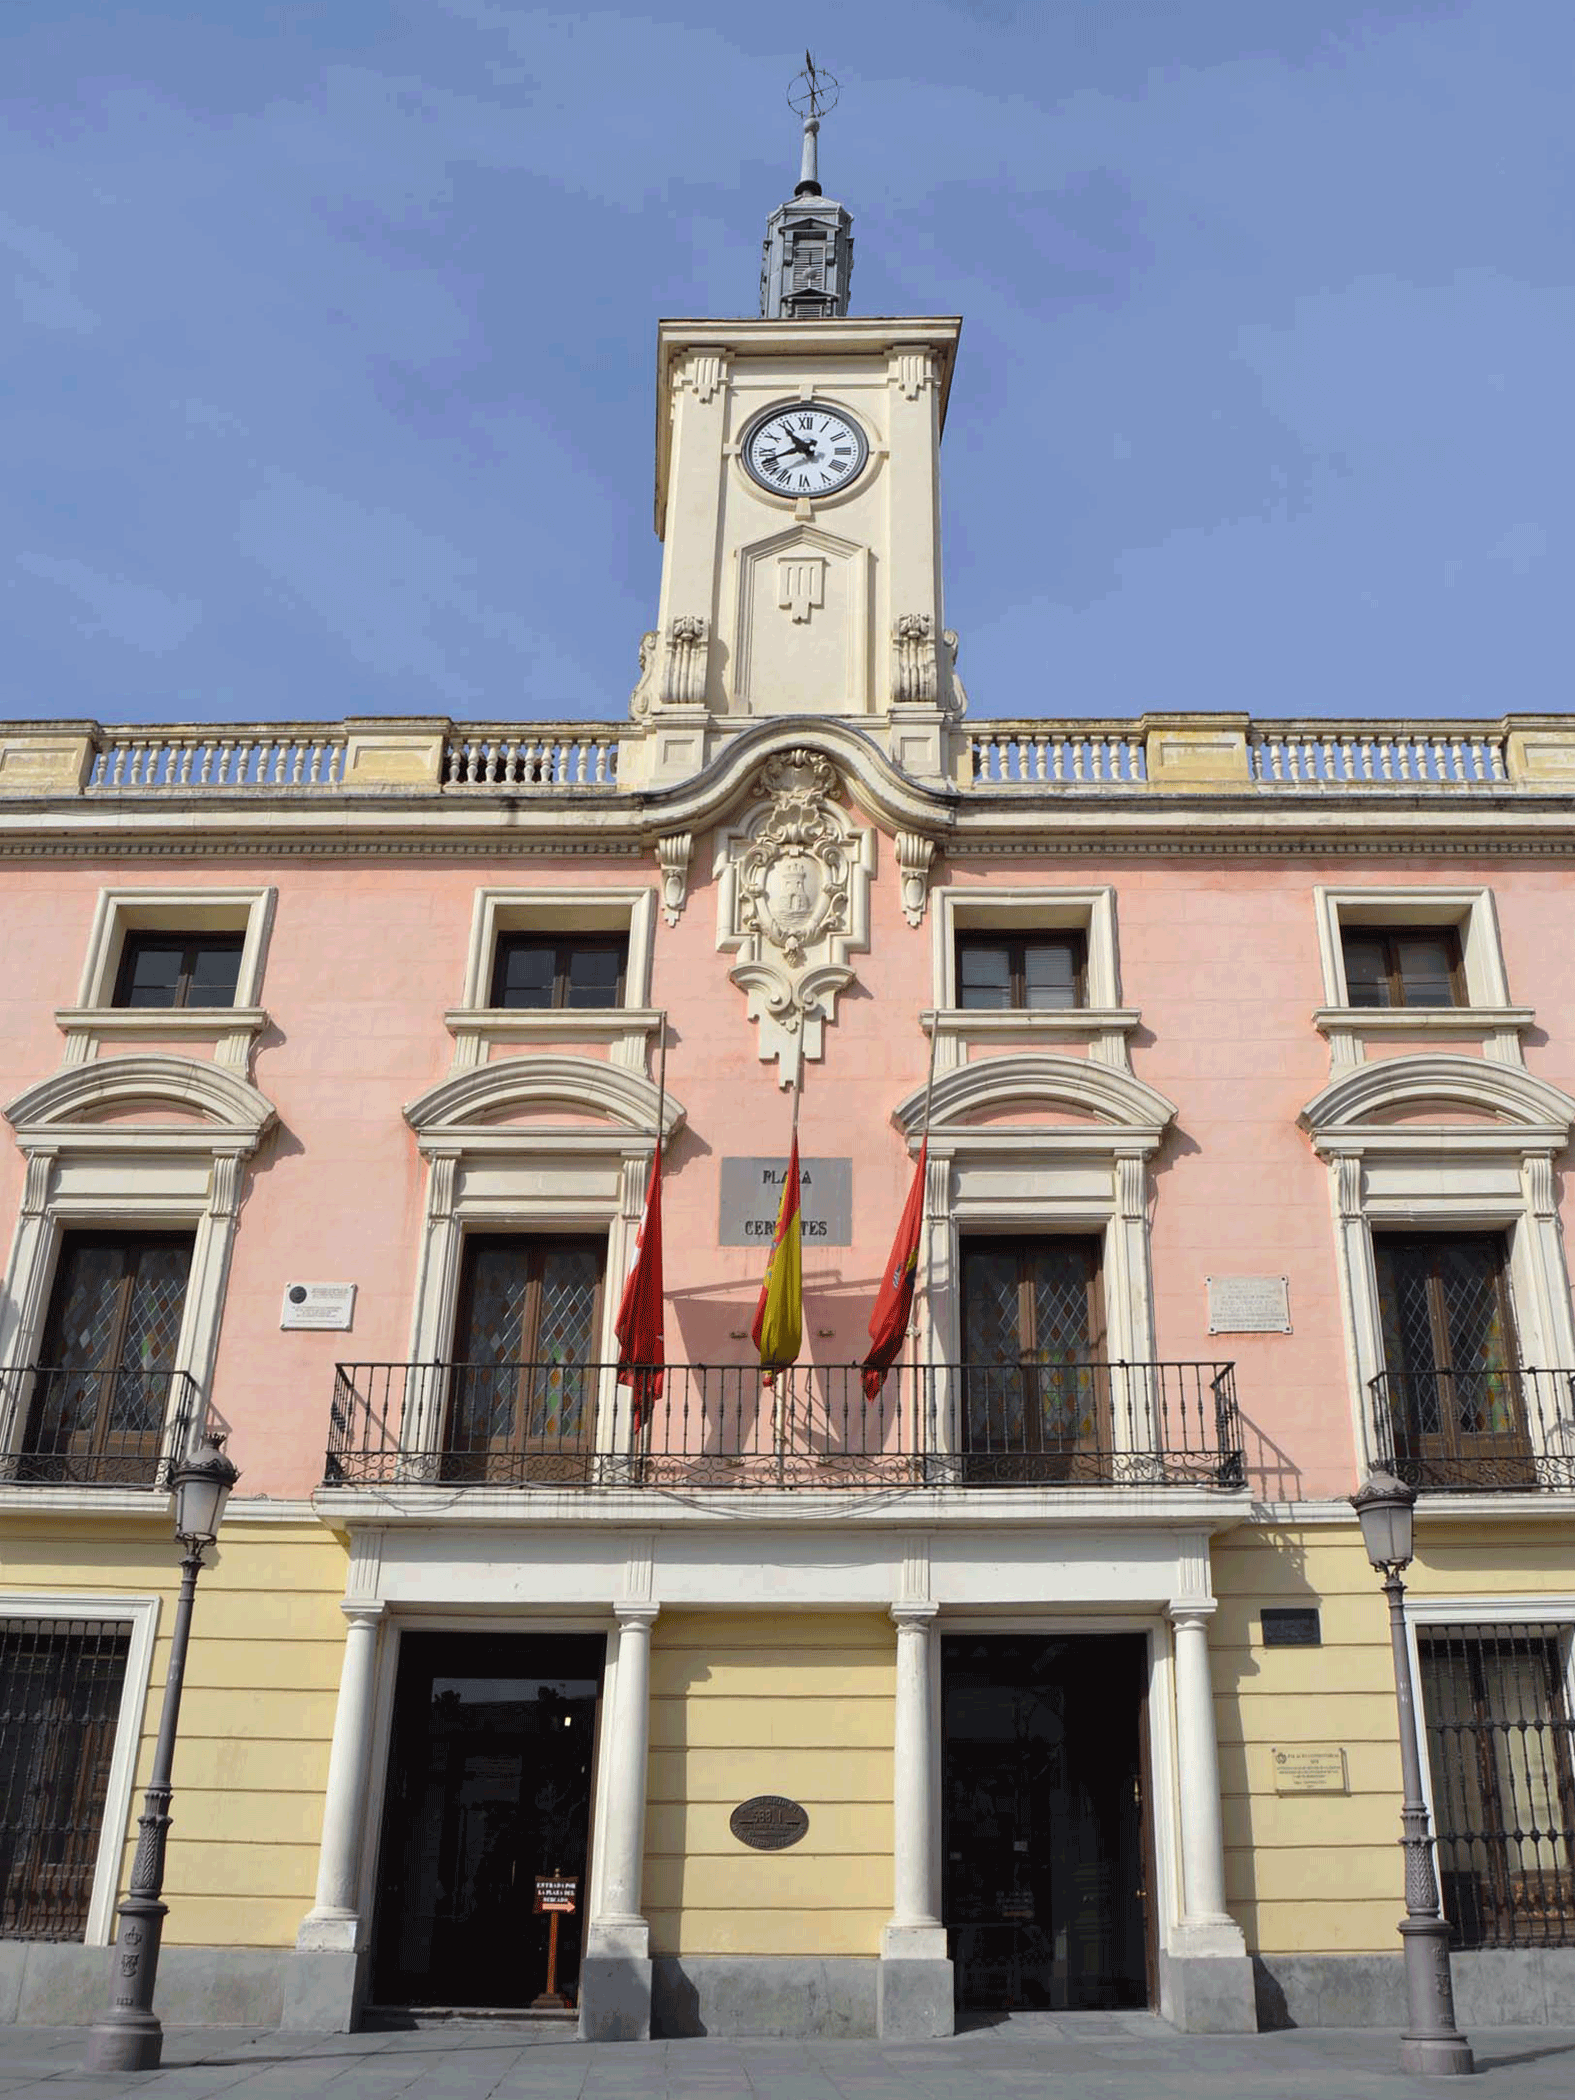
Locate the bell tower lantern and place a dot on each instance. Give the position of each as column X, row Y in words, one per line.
column 798, row 502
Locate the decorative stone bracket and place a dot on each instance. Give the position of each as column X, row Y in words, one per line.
column 914, row 855
column 674, row 852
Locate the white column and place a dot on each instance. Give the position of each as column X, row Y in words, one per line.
column 620, row 1925
column 915, row 1931
column 334, row 1921
column 1202, row 1829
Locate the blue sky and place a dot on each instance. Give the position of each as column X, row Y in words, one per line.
column 329, row 354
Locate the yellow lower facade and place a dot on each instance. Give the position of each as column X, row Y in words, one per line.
column 798, row 1703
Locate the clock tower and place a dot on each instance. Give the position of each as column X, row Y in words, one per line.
column 798, row 502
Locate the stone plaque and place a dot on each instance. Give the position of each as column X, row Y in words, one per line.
column 317, row 1305
column 1311, row 1768
column 1249, row 1305
column 768, row 1823
column 752, row 1192
column 1291, row 1628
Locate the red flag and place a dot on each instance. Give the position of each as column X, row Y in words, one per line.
column 894, row 1302
column 639, row 1322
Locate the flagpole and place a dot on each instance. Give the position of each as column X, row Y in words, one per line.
column 778, row 1419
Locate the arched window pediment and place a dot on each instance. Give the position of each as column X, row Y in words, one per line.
column 990, row 1094
column 533, row 1086
column 1373, row 1094
column 196, row 1094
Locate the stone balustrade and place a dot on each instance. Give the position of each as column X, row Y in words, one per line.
column 1144, row 755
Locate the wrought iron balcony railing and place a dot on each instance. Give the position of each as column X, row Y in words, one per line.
column 118, row 1428
column 728, row 1426
column 1503, row 1430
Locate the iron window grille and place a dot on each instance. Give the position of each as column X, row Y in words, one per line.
column 1502, row 1751
column 61, row 1682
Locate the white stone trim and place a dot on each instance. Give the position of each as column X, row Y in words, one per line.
column 1461, row 1177
column 120, row 911
column 156, row 1176
column 1023, row 908
column 143, row 1613
column 578, row 908
column 1487, row 1012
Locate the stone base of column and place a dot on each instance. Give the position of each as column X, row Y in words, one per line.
column 323, row 1990
column 615, row 1982
column 915, row 1993
column 1206, row 1982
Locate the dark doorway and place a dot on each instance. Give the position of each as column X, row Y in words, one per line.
column 489, row 1790
column 1044, row 1834
column 1036, row 1391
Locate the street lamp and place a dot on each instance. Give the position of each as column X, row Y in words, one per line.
column 129, row 2037
column 1431, row 2041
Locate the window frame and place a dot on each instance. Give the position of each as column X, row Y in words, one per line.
column 1391, row 937
column 1017, row 942
column 139, row 939
column 143, row 1613
column 1472, row 914
column 560, row 943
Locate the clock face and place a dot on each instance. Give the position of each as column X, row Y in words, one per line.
column 805, row 450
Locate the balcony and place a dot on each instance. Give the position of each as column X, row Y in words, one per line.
column 726, row 1426
column 122, row 1428
column 1485, row 1431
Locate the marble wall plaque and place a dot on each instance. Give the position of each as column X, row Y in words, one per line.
column 1311, row 1768
column 752, row 1193
column 1249, row 1305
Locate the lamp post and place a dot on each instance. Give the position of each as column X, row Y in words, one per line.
column 129, row 2037
column 1431, row 2041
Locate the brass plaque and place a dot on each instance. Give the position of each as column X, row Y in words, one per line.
column 1311, row 1768
column 768, row 1823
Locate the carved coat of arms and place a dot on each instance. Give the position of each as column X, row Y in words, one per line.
column 793, row 891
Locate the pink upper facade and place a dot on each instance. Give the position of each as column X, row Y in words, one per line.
column 1217, row 946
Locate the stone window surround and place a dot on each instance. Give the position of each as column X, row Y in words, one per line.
column 143, row 1614
column 143, row 1176
column 1496, row 1178
column 119, row 911
column 537, row 1177
column 477, row 1027
column 1487, row 1014
column 1086, row 1177
column 1104, row 1022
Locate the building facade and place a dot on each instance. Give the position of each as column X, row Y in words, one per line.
column 334, row 1063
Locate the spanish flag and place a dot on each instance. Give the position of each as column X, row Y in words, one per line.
column 778, row 1331
column 894, row 1301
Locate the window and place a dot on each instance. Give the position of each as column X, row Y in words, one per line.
column 578, row 970
column 179, row 969
column 525, row 1342
column 1499, row 1741
column 61, row 1687
column 1032, row 1334
column 1036, row 971
column 1403, row 966
column 100, row 1395
column 1450, row 1380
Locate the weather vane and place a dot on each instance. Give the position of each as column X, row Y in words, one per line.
column 812, row 93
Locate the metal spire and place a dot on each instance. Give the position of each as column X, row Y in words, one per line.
column 808, row 255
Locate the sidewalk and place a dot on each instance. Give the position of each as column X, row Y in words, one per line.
column 1116, row 2056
